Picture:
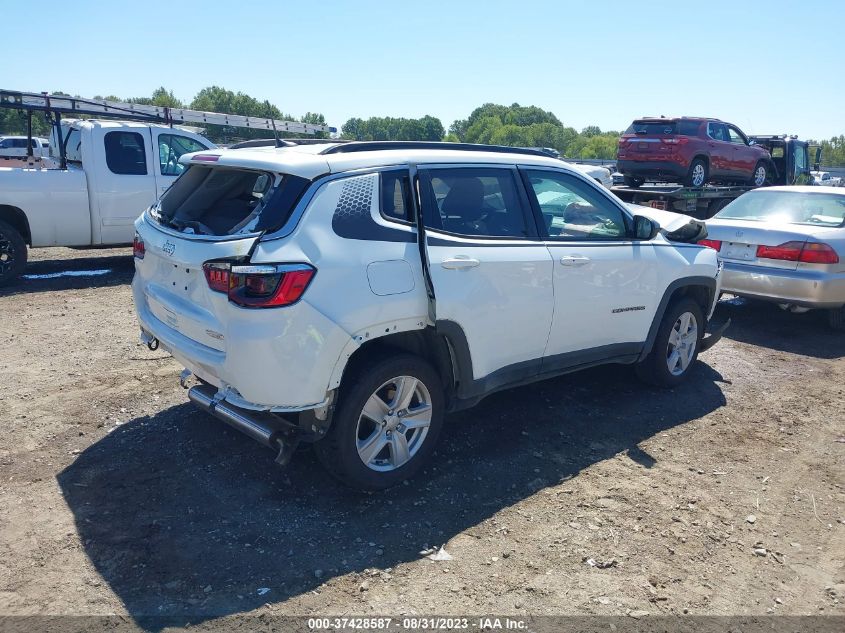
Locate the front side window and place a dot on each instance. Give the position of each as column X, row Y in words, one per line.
column 573, row 210
column 170, row 150
column 473, row 201
column 125, row 153
column 736, row 136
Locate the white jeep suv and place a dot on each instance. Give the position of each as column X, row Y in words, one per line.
column 352, row 294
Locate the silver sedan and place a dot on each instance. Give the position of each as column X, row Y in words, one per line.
column 786, row 245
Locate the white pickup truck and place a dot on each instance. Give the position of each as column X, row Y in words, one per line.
column 115, row 169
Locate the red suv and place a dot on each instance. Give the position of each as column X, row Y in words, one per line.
column 693, row 151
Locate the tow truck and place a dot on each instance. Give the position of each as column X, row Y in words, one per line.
column 790, row 157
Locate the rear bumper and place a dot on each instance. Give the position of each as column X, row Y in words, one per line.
column 652, row 168
column 807, row 288
column 275, row 359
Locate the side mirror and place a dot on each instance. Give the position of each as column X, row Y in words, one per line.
column 645, row 228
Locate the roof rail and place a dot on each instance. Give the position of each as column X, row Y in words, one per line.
column 283, row 142
column 374, row 146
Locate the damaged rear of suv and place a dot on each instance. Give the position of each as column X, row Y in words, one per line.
column 351, row 295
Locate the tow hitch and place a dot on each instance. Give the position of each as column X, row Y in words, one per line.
column 149, row 340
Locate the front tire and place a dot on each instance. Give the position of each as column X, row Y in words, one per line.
column 676, row 345
column 12, row 253
column 386, row 423
column 698, row 173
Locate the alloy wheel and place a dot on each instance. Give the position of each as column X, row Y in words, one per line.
column 394, row 423
column 760, row 176
column 698, row 175
column 682, row 343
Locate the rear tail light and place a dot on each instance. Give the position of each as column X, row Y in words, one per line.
column 818, row 253
column 138, row 248
column 678, row 140
column 217, row 276
column 807, row 252
column 714, row 244
column 260, row 285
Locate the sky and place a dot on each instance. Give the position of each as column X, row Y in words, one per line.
column 768, row 66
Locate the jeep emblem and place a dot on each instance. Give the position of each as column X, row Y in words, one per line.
column 169, row 248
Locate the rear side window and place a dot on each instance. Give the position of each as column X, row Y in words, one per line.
column 228, row 201
column 125, row 153
column 396, row 196
column 651, row 128
column 474, row 201
column 689, row 128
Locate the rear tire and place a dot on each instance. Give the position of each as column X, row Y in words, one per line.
column 698, row 173
column 633, row 181
column 12, row 253
column 370, row 454
column 676, row 346
column 760, row 175
column 836, row 319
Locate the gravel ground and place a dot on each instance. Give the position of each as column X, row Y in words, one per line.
column 586, row 494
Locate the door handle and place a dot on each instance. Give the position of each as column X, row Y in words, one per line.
column 574, row 260
column 459, row 262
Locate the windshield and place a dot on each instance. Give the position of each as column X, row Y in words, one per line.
column 793, row 207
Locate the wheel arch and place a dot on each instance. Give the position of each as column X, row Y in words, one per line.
column 16, row 218
column 701, row 289
column 428, row 343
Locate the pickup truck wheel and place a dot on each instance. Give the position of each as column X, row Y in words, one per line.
column 836, row 319
column 633, row 181
column 12, row 253
column 385, row 425
column 676, row 345
column 697, row 174
column 760, row 175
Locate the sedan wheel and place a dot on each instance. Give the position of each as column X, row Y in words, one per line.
column 683, row 339
column 394, row 423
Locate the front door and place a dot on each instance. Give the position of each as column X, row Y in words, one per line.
column 170, row 145
column 744, row 159
column 125, row 184
column 605, row 282
column 721, row 151
column 492, row 274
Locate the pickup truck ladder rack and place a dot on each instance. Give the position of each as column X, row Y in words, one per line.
column 57, row 105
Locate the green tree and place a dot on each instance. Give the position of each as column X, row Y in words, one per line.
column 427, row 128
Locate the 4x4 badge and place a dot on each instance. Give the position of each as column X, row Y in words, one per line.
column 169, row 247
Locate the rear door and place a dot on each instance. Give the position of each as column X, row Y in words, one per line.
column 605, row 283
column 124, row 184
column 492, row 274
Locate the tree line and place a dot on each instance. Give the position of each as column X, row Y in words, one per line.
column 513, row 125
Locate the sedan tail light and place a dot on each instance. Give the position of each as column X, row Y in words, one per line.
column 818, row 253
column 807, row 252
column 259, row 285
column 138, row 248
column 714, row 244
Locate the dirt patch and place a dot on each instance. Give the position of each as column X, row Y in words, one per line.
column 586, row 494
